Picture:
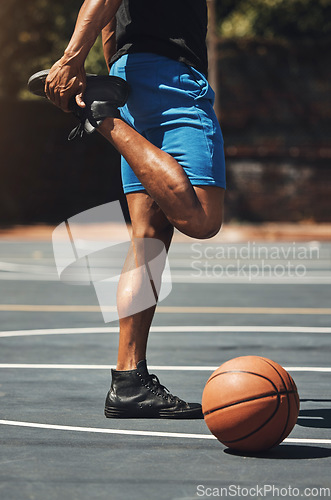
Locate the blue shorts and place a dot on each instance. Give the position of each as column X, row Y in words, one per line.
column 171, row 105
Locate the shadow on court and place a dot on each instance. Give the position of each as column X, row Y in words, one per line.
column 319, row 418
column 287, row 452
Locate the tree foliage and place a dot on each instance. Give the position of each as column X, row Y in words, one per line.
column 34, row 33
column 291, row 20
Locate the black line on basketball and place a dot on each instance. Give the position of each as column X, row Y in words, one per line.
column 243, row 371
column 288, row 404
column 259, row 428
column 247, row 400
column 265, row 423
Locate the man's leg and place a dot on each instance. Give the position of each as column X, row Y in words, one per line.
column 148, row 221
column 134, row 391
column 196, row 211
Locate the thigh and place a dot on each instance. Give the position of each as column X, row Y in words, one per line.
column 194, row 139
column 171, row 105
column 211, row 199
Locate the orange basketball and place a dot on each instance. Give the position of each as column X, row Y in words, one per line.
column 250, row 403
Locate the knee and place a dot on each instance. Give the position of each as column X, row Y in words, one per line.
column 205, row 227
column 212, row 231
column 162, row 232
column 202, row 232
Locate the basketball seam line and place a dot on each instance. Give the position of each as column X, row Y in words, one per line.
column 253, row 398
column 243, row 371
column 281, row 438
column 259, row 428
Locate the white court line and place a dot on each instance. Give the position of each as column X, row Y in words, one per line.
column 256, row 280
column 32, row 272
column 307, row 441
column 170, row 329
column 176, row 278
column 105, row 431
column 318, row 369
column 59, row 331
column 98, row 430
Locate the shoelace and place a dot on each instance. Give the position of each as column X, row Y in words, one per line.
column 163, row 389
column 78, row 131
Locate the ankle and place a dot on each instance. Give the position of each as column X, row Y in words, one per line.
column 108, row 125
column 127, row 364
column 129, row 360
column 123, row 367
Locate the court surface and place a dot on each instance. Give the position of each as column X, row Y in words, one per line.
column 56, row 353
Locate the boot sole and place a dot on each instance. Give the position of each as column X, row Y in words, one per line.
column 36, row 85
column 111, row 412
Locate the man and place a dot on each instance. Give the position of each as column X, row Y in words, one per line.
column 172, row 155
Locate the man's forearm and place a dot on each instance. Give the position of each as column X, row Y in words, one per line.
column 67, row 77
column 93, row 16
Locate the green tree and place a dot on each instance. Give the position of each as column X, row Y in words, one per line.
column 33, row 35
column 285, row 19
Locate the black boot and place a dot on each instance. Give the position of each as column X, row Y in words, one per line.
column 102, row 96
column 137, row 394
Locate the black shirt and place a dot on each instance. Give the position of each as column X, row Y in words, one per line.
column 172, row 28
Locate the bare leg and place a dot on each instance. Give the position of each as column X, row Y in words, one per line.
column 134, row 392
column 195, row 211
column 148, row 221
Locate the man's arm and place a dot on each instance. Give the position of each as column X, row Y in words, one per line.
column 109, row 41
column 67, row 76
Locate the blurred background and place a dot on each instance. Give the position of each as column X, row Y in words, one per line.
column 271, row 69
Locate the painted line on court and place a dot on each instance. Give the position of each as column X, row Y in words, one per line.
column 33, row 272
column 170, row 329
column 54, row 366
column 59, row 331
column 177, row 278
column 307, row 441
column 52, row 308
column 180, row 435
column 105, row 431
column 170, row 309
column 258, row 280
column 245, row 310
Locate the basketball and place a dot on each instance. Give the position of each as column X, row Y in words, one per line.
column 250, row 403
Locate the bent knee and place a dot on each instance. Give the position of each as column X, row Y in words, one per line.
column 207, row 233
column 204, row 232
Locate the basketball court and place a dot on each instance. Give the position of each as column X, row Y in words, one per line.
column 56, row 354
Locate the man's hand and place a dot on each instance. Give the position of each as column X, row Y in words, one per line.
column 65, row 81
column 67, row 78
